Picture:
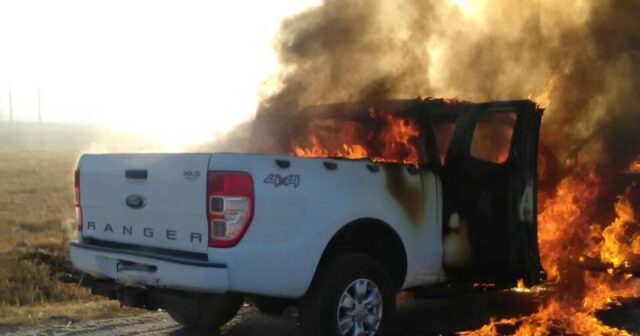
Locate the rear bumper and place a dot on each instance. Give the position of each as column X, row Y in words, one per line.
column 148, row 269
column 155, row 298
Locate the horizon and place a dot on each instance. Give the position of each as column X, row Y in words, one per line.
column 180, row 73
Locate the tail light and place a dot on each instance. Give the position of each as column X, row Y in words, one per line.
column 76, row 188
column 229, row 207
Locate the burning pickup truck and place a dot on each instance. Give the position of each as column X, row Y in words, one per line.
column 432, row 192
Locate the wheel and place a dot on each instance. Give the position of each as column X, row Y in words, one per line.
column 351, row 295
column 211, row 312
column 271, row 306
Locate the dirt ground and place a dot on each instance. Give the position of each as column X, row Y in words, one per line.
column 415, row 317
column 445, row 316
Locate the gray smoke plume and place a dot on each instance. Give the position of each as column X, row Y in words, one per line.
column 581, row 57
column 584, row 53
column 346, row 51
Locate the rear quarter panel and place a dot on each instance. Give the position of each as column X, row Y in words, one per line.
column 299, row 209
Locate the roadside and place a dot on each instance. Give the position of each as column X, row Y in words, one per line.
column 415, row 317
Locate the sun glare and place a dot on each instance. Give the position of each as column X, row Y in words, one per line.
column 469, row 8
column 461, row 3
column 181, row 72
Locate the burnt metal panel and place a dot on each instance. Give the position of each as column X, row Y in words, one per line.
column 492, row 206
column 489, row 209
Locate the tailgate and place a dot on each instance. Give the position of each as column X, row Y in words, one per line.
column 155, row 200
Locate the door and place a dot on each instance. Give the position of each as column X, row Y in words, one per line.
column 489, row 194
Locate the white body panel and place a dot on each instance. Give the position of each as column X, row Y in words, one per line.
column 185, row 276
column 174, row 212
column 292, row 222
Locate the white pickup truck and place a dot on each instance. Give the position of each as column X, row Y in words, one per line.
column 196, row 234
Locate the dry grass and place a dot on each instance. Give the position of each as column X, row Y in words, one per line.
column 64, row 312
column 36, row 221
column 38, row 275
column 36, row 196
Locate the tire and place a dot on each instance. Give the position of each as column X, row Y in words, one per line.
column 341, row 279
column 210, row 313
column 271, row 306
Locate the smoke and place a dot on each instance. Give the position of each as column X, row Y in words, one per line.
column 580, row 58
column 583, row 53
column 346, row 51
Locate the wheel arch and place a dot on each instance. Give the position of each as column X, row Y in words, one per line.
column 373, row 237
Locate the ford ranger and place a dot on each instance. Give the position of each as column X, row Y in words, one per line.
column 196, row 234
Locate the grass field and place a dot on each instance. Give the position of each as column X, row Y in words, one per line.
column 37, row 220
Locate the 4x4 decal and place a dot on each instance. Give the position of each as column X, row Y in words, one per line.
column 278, row 180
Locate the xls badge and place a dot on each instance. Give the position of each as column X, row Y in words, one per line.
column 278, row 180
column 191, row 175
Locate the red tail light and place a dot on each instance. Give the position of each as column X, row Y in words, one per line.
column 76, row 188
column 229, row 207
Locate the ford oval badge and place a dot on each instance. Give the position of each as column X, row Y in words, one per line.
column 136, row 202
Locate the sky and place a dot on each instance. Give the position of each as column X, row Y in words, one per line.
column 182, row 72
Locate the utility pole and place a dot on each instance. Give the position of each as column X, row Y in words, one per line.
column 10, row 105
column 39, row 106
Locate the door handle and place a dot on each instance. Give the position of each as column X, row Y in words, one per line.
column 138, row 174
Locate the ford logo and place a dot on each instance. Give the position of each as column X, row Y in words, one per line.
column 136, row 202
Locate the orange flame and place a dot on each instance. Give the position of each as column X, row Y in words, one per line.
column 555, row 318
column 396, row 139
column 544, row 98
column 634, row 167
column 561, row 217
column 565, row 236
column 393, row 142
column 316, row 150
column 620, row 243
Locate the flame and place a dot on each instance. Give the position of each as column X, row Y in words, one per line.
column 634, row 167
column 550, row 319
column 316, row 150
column 393, row 142
column 544, row 98
column 521, row 288
column 396, row 139
column 566, row 235
column 561, row 218
column 620, row 243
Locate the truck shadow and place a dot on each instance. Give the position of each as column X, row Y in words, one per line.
column 414, row 316
column 466, row 312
